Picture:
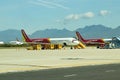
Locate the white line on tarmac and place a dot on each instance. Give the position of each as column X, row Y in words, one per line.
column 70, row 75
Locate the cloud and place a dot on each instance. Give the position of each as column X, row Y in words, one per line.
column 104, row 12
column 42, row 4
column 86, row 15
column 49, row 4
column 73, row 17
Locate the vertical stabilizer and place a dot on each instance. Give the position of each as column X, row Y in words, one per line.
column 26, row 38
column 17, row 39
column 80, row 38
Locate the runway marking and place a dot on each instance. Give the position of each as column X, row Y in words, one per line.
column 71, row 58
column 110, row 70
column 85, row 59
column 70, row 75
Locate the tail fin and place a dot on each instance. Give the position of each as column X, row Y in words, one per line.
column 26, row 38
column 17, row 39
column 80, row 38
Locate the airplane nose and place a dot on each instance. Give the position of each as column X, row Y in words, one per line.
column 75, row 41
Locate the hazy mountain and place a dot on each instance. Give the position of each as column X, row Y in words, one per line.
column 96, row 31
column 10, row 35
column 99, row 31
column 93, row 31
column 53, row 33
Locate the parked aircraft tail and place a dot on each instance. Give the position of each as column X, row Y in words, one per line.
column 80, row 38
column 26, row 38
column 17, row 39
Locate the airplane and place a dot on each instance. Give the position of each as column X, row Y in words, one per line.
column 63, row 41
column 90, row 42
column 16, row 42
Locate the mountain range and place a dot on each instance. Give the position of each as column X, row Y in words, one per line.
column 92, row 31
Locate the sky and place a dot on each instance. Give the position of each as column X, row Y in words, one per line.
column 33, row 15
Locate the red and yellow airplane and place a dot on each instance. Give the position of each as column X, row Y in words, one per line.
column 63, row 41
column 94, row 42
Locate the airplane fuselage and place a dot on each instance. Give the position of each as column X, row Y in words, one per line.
column 94, row 41
column 40, row 40
column 64, row 41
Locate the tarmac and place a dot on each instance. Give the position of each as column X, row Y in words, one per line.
column 20, row 59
